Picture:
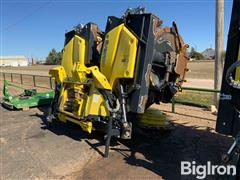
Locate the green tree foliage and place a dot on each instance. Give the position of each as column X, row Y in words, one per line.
column 54, row 57
column 195, row 55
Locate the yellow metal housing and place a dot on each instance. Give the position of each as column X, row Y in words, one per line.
column 118, row 57
column 58, row 73
column 73, row 52
column 79, row 96
column 95, row 104
column 76, row 104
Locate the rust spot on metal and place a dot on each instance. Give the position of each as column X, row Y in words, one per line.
column 142, row 103
column 147, row 75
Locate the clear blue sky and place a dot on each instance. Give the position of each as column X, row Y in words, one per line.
column 33, row 27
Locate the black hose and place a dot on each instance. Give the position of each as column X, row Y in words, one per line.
column 229, row 76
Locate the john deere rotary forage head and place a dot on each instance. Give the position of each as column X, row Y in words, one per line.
column 107, row 79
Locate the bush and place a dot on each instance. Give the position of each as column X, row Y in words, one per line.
column 54, row 57
column 196, row 55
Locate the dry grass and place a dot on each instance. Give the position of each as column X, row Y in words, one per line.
column 201, row 70
column 198, row 69
column 195, row 98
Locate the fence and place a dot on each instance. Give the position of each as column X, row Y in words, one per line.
column 48, row 83
column 28, row 79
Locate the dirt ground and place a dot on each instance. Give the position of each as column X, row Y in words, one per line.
column 41, row 70
column 200, row 70
column 31, row 151
column 159, row 157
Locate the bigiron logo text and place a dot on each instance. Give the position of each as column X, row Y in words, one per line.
column 202, row 171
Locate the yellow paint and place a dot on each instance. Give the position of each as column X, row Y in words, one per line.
column 109, row 50
column 95, row 104
column 153, row 117
column 62, row 97
column 124, row 64
column 119, row 54
column 77, row 102
column 73, row 52
column 58, row 73
column 62, row 117
column 86, row 126
column 237, row 75
column 83, row 105
column 99, row 79
column 79, row 50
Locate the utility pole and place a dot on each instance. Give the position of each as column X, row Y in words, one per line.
column 219, row 47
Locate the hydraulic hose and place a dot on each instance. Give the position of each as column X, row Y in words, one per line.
column 229, row 76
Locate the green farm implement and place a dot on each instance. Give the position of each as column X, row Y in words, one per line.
column 28, row 98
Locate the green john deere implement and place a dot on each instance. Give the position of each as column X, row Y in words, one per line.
column 28, row 98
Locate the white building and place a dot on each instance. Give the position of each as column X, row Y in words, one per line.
column 209, row 53
column 13, row 61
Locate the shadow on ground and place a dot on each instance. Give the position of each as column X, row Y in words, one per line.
column 161, row 155
column 152, row 155
column 72, row 131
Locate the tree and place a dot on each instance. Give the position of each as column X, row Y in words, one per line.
column 195, row 55
column 54, row 57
